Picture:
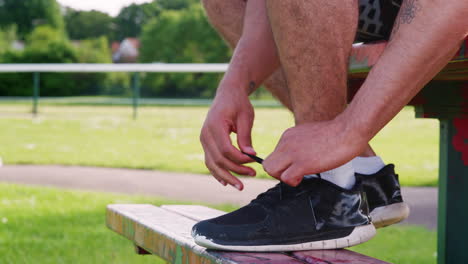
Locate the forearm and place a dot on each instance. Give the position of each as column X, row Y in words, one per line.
column 417, row 52
column 255, row 57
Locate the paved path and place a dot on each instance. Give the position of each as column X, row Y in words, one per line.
column 181, row 186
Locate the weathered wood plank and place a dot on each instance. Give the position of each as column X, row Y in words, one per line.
column 334, row 256
column 167, row 235
column 195, row 213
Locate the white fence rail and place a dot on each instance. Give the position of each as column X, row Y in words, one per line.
column 135, row 68
column 129, row 67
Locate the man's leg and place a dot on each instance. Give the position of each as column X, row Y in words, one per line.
column 314, row 41
column 227, row 18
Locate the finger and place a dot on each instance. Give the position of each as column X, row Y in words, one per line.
column 228, row 177
column 293, row 174
column 239, row 169
column 244, row 134
column 217, row 178
column 208, row 164
column 229, row 165
column 222, row 174
column 276, row 163
column 224, row 146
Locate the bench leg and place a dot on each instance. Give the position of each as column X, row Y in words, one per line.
column 453, row 192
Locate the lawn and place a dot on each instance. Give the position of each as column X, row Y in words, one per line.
column 166, row 138
column 46, row 225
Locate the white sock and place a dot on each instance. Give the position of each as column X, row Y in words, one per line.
column 368, row 165
column 342, row 176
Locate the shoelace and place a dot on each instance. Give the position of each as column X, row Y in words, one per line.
column 280, row 186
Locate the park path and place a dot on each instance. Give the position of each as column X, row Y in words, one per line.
column 183, row 186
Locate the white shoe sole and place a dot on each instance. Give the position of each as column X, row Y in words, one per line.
column 390, row 214
column 359, row 235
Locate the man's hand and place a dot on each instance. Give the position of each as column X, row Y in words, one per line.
column 229, row 113
column 312, row 148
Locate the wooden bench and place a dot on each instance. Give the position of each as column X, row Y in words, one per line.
column 165, row 231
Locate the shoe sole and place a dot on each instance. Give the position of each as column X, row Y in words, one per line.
column 359, row 235
column 388, row 215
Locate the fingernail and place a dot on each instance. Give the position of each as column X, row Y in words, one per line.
column 250, row 150
column 238, row 187
column 222, row 182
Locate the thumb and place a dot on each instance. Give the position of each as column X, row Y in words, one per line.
column 244, row 134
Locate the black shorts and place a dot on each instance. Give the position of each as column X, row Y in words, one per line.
column 376, row 19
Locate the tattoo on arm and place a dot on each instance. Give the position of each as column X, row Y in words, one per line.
column 408, row 12
column 252, row 86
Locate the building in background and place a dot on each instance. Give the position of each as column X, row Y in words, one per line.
column 126, row 52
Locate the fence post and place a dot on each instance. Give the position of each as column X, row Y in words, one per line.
column 36, row 88
column 136, row 93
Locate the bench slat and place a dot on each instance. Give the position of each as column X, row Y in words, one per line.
column 165, row 232
column 195, row 212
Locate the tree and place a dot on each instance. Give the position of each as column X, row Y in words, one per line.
column 27, row 14
column 182, row 36
column 175, row 4
column 7, row 37
column 47, row 45
column 130, row 20
column 88, row 24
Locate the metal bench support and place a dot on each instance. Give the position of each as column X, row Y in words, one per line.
column 453, row 191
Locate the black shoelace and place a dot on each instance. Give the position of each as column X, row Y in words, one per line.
column 280, row 190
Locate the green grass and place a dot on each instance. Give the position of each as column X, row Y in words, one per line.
column 46, row 225
column 166, row 138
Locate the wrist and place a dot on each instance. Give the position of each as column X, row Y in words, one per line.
column 232, row 87
column 355, row 127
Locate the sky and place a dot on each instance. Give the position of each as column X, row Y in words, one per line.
column 111, row 7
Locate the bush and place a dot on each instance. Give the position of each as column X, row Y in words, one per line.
column 182, row 36
column 47, row 45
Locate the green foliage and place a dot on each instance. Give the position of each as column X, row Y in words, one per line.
column 44, row 45
column 47, row 45
column 98, row 51
column 131, row 19
column 27, row 14
column 175, row 31
column 175, row 4
column 7, row 37
column 182, row 36
column 88, row 24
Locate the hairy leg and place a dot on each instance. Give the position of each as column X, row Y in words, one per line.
column 227, row 18
column 314, row 40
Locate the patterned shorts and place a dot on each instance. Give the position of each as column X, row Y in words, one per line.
column 376, row 19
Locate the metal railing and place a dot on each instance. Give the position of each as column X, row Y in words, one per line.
column 134, row 68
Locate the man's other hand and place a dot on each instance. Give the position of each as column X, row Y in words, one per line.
column 312, row 148
column 228, row 113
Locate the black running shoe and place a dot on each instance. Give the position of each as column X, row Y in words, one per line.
column 384, row 197
column 314, row 215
